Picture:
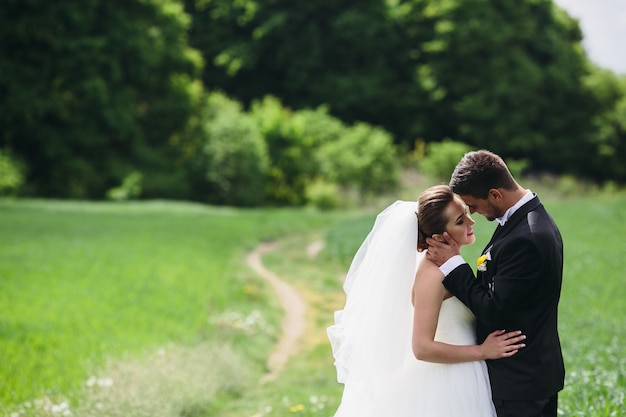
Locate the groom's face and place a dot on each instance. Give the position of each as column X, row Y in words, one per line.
column 482, row 206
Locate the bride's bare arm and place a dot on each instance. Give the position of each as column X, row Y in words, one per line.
column 428, row 296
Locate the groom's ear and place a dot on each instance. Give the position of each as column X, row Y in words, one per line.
column 495, row 194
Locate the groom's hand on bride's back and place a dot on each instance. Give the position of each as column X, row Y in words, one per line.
column 439, row 252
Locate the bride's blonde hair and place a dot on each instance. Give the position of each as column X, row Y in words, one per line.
column 431, row 206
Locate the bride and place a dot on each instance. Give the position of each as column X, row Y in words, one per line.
column 403, row 345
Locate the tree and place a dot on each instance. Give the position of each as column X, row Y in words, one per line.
column 346, row 54
column 91, row 91
column 502, row 74
column 506, row 75
column 606, row 158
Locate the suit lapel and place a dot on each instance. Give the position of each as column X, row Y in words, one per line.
column 502, row 231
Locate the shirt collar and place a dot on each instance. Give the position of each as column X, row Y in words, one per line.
column 507, row 214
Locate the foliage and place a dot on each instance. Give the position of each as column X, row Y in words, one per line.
column 309, row 148
column 518, row 167
column 231, row 164
column 292, row 138
column 11, row 174
column 323, row 195
column 91, row 91
column 129, row 189
column 345, row 53
column 441, row 158
column 363, row 157
column 605, row 160
column 417, row 68
column 519, row 93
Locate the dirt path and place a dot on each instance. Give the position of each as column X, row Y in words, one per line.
column 293, row 323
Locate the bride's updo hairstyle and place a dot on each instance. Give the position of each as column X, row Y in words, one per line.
column 431, row 206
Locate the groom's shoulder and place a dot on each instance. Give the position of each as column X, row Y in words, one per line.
column 539, row 223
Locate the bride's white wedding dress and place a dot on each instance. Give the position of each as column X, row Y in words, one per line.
column 371, row 337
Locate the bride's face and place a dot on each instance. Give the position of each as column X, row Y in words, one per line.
column 459, row 223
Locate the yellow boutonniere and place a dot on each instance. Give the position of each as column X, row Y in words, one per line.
column 482, row 263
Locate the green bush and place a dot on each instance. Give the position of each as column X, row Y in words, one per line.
column 292, row 138
column 363, row 158
column 11, row 174
column 314, row 155
column 232, row 163
column 129, row 189
column 517, row 166
column 605, row 160
column 323, row 195
column 441, row 158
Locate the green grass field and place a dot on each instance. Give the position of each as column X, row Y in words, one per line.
column 86, row 285
column 147, row 309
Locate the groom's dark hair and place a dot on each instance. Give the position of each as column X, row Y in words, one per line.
column 480, row 171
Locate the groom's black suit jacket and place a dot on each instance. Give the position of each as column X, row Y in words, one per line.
column 519, row 290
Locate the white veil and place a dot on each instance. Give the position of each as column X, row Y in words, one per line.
column 371, row 337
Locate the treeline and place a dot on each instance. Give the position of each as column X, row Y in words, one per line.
column 252, row 102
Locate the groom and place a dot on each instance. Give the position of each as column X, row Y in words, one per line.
column 518, row 284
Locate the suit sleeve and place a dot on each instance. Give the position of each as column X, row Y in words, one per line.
column 518, row 266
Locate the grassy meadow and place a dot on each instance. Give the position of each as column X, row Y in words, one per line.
column 148, row 308
column 88, row 290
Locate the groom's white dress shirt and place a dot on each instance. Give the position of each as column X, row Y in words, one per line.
column 457, row 260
